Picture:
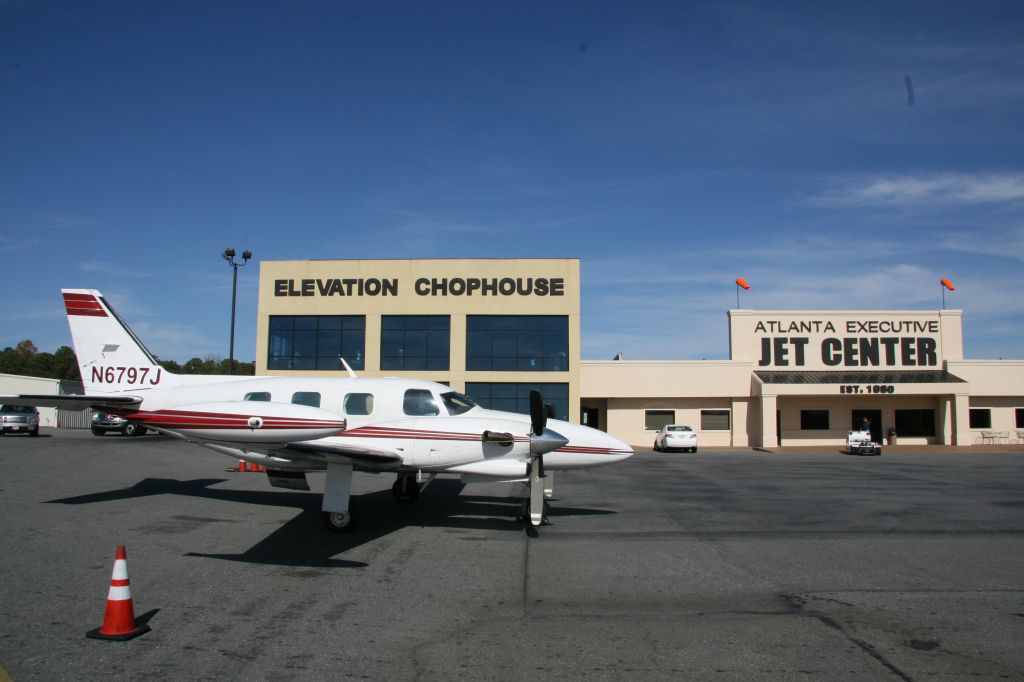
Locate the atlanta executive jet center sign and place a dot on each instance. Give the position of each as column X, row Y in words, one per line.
column 847, row 344
column 822, row 342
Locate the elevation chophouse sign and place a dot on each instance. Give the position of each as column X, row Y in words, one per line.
column 424, row 286
column 845, row 343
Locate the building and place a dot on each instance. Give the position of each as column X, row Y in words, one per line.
column 492, row 328
column 495, row 328
column 809, row 377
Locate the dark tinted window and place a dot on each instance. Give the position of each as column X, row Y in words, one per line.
column 316, row 342
column 415, row 342
column 813, row 420
column 981, row 418
column 714, row 420
column 526, row 343
column 915, row 422
column 655, row 420
column 515, row 397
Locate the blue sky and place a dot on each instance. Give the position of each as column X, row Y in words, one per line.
column 835, row 155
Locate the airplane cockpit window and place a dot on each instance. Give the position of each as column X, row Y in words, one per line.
column 259, row 396
column 456, row 403
column 419, row 402
column 359, row 403
column 310, row 398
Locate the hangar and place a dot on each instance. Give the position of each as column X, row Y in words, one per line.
column 496, row 328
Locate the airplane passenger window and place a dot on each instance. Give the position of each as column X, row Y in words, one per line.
column 260, row 396
column 359, row 403
column 419, row 402
column 310, row 398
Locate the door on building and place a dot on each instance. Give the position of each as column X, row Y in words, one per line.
column 591, row 417
column 874, row 416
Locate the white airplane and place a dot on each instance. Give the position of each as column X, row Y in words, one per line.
column 295, row 425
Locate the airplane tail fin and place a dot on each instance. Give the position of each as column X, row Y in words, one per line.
column 111, row 357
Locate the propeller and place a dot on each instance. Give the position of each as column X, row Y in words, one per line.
column 542, row 440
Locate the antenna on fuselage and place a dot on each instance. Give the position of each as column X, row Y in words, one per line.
column 347, row 368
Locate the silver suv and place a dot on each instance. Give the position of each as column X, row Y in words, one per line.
column 19, row 419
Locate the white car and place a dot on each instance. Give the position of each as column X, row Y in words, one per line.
column 675, row 436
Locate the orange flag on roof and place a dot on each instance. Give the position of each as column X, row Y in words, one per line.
column 946, row 283
column 743, row 283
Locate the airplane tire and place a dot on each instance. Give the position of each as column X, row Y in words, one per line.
column 405, row 489
column 131, row 430
column 342, row 522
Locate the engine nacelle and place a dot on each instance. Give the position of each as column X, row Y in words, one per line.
column 242, row 422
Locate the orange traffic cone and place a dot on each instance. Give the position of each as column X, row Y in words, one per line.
column 119, row 618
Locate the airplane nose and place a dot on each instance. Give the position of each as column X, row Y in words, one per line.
column 618, row 449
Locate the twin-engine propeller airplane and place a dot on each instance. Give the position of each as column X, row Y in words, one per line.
column 293, row 426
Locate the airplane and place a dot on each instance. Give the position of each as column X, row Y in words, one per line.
column 298, row 425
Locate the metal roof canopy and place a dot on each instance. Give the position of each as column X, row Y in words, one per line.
column 938, row 376
column 903, row 382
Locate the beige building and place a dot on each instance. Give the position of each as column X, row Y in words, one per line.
column 497, row 328
column 491, row 328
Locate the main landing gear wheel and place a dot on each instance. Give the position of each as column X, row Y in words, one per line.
column 133, row 430
column 524, row 513
column 406, row 489
column 342, row 522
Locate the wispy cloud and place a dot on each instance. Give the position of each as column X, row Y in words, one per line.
column 96, row 267
column 911, row 190
column 7, row 244
column 1003, row 243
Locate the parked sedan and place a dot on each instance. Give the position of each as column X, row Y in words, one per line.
column 102, row 422
column 19, row 419
column 675, row 436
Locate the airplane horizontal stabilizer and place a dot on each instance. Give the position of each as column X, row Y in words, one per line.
column 72, row 402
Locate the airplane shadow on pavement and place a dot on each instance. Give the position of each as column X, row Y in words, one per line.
column 304, row 542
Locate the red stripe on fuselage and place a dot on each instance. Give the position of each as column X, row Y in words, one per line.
column 182, row 419
column 415, row 434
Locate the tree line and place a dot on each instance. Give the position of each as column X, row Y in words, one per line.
column 25, row 359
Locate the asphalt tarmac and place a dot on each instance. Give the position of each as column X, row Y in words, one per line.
column 721, row 565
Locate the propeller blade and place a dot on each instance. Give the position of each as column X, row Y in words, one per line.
column 538, row 415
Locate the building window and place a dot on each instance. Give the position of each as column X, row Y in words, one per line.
column 655, row 419
column 317, row 341
column 523, row 343
column 915, row 422
column 714, row 420
column 512, row 397
column 814, row 420
column 415, row 342
column 1019, row 417
column 981, row 418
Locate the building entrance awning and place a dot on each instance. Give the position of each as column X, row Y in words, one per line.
column 859, row 382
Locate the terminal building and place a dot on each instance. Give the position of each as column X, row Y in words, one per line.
column 495, row 329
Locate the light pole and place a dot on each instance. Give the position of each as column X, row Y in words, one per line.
column 229, row 256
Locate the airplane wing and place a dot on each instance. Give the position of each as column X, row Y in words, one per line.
column 72, row 402
column 313, row 454
column 371, row 457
